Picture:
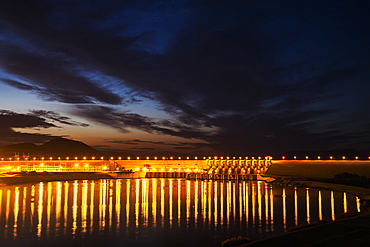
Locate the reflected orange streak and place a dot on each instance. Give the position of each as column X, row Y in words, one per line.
column 16, row 211
column 295, row 206
column 58, row 205
column 320, row 205
column 74, row 207
column 308, row 205
column 40, row 209
column 284, row 208
column 84, row 206
column 118, row 204
column 332, row 205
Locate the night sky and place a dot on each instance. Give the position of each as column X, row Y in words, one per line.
column 187, row 77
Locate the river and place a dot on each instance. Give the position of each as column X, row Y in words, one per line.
column 158, row 212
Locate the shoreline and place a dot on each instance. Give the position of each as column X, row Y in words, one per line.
column 361, row 192
column 342, row 232
column 345, row 232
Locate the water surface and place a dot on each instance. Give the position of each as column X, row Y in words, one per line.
column 158, row 212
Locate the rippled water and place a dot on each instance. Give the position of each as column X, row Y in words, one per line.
column 158, row 212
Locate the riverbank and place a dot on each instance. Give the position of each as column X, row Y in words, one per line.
column 362, row 193
column 352, row 231
column 344, row 232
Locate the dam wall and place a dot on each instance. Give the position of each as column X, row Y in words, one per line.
column 318, row 168
column 216, row 168
column 196, row 168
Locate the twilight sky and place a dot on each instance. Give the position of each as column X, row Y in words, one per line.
column 195, row 77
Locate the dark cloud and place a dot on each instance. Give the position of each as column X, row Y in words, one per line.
column 135, row 142
column 246, row 76
column 33, row 120
column 125, row 120
column 10, row 120
column 56, row 117
column 19, row 85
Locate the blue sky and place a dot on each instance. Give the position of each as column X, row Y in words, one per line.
column 187, row 77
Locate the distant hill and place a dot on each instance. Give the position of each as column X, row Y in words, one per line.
column 63, row 147
column 325, row 154
column 59, row 147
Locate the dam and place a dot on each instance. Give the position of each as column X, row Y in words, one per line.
column 217, row 168
column 207, row 168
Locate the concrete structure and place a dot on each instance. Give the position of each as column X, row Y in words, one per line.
column 211, row 168
column 216, row 168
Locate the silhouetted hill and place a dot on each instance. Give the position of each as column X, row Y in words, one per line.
column 63, row 147
column 59, row 147
column 325, row 154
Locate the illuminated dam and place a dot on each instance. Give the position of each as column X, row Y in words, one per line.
column 215, row 168
column 241, row 168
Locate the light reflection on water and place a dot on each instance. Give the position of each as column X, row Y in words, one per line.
column 158, row 212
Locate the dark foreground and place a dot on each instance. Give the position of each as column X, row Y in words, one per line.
column 354, row 231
